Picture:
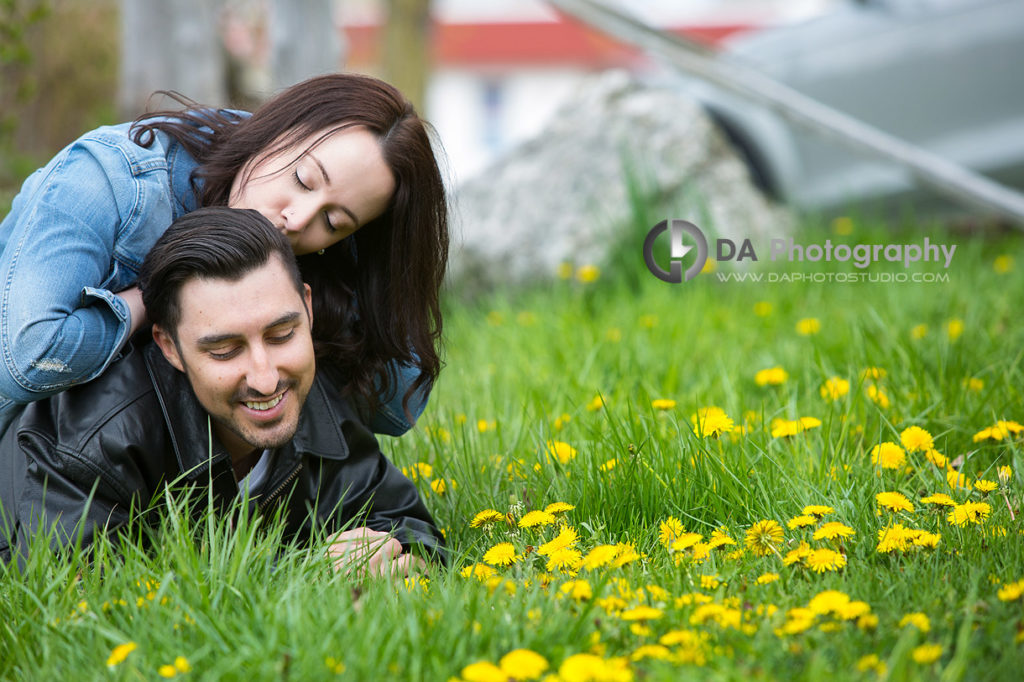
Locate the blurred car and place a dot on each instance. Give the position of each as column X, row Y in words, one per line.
column 941, row 74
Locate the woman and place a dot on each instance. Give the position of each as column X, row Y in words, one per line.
column 340, row 163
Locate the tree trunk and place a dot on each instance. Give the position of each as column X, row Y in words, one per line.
column 304, row 41
column 170, row 45
column 407, row 48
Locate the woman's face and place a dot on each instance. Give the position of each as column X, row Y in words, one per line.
column 318, row 196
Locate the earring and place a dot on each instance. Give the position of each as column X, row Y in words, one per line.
column 320, row 252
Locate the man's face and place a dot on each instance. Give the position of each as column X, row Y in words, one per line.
column 247, row 351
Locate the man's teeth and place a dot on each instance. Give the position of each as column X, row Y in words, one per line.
column 264, row 406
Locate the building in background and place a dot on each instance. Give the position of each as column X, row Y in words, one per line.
column 501, row 68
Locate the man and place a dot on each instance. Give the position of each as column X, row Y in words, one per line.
column 227, row 395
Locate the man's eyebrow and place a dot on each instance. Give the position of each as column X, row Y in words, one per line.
column 215, row 339
column 327, row 180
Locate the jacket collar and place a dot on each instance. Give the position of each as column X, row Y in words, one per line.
column 319, row 431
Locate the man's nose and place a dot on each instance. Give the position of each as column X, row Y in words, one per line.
column 262, row 376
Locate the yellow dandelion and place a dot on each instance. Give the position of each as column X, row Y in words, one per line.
column 441, row 486
column 797, row 555
column 167, row 671
column 927, row 654
column 561, row 451
column 120, row 652
column 763, row 308
column 955, row 479
column 577, row 590
column 599, row 556
column 766, row 578
column 536, row 518
column 917, row 620
column 1011, row 591
column 842, row 225
column 479, row 571
column 969, row 512
column 782, row 428
column 918, row 331
column 821, row 560
column 670, row 530
column 808, row 326
column 764, row 537
column 833, row 530
column 818, row 510
column 483, row 425
column 1002, row 264
column 894, row 538
column 939, row 500
column 567, row 537
column 888, row 455
column 609, row 465
column 878, row 396
column 685, row 541
column 871, row 662
column 711, row 421
column 333, row 664
column 502, row 554
column 984, row 486
column 596, row 404
column 641, row 613
column 656, row 651
column 916, row 439
column 853, row 610
column 834, row 388
column 720, row 538
column 1001, row 430
column 954, row 328
column 801, row 521
column 927, row 540
column 974, row 384
column 592, row 668
column 483, row 671
column 663, row 404
column 486, row 517
column 564, row 270
column 565, row 559
column 936, row 458
column 829, row 601
column 773, row 376
column 523, row 664
column 588, row 274
column 894, row 501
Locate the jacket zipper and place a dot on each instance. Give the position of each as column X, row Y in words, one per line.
column 269, row 498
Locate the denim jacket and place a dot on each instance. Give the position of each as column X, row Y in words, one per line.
column 76, row 234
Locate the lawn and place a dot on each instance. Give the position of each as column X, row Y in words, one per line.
column 637, row 480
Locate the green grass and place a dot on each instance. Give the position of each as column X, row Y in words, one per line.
column 522, row 368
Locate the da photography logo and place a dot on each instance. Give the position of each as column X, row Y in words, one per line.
column 677, row 229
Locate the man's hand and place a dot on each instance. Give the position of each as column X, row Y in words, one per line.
column 371, row 552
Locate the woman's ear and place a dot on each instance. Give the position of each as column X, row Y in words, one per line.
column 168, row 346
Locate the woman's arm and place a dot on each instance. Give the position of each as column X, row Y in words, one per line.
column 70, row 244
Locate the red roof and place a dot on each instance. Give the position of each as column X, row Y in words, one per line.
column 560, row 42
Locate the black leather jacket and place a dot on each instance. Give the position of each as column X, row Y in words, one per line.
column 138, row 428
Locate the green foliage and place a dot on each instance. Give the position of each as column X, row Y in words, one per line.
column 58, row 69
column 523, row 370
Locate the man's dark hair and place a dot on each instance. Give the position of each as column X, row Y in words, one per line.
column 209, row 243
